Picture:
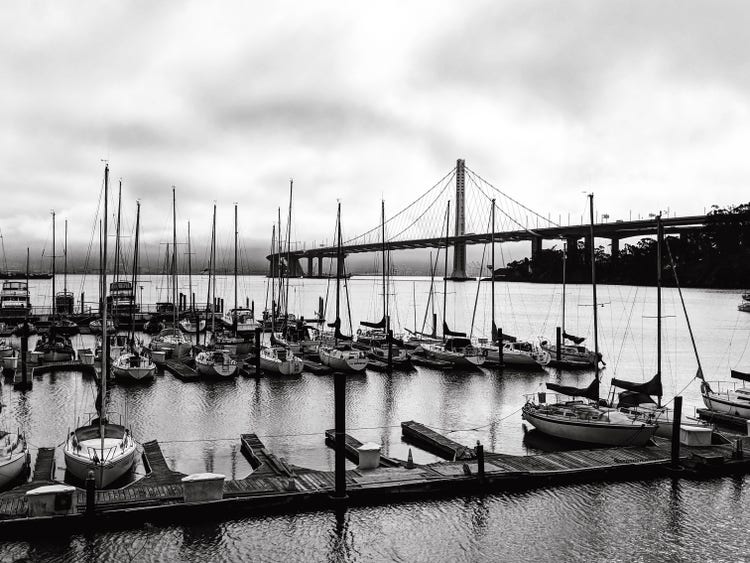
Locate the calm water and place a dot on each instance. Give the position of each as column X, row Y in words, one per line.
column 199, row 426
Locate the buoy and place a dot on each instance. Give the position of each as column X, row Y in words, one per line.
column 410, row 461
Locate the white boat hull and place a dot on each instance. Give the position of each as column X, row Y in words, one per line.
column 725, row 404
column 437, row 352
column 600, row 433
column 118, row 454
column 12, row 467
column 345, row 361
column 286, row 367
column 134, row 373
column 114, row 469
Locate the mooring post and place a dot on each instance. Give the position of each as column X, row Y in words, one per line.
column 339, row 410
column 82, row 299
column 258, row 332
column 90, row 493
column 390, row 350
column 25, row 354
column 558, row 344
column 480, row 460
column 676, row 420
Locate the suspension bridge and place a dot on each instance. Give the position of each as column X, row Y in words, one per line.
column 456, row 212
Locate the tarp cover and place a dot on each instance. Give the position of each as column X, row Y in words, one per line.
column 740, row 375
column 495, row 334
column 449, row 332
column 633, row 399
column 651, row 387
column 573, row 338
column 379, row 324
column 590, row 392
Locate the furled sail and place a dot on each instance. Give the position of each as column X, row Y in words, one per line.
column 651, row 387
column 496, row 333
column 590, row 392
column 740, row 375
column 573, row 338
column 379, row 324
column 449, row 332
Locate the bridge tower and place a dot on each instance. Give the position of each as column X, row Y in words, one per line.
column 459, row 249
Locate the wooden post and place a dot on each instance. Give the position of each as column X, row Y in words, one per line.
column 390, row 350
column 558, row 344
column 82, row 296
column 90, row 494
column 258, row 332
column 500, row 359
column 480, row 460
column 339, row 406
column 24, row 355
column 676, row 420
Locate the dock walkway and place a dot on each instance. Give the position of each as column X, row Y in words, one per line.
column 351, row 445
column 181, row 370
column 436, row 443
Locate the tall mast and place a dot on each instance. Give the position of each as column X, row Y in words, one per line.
column 288, row 249
column 593, row 286
column 54, row 251
column 190, row 272
column 213, row 273
column 65, row 254
column 117, row 233
column 659, row 236
column 337, row 323
column 105, row 351
column 445, row 269
column 565, row 267
column 234, row 316
column 493, row 332
column 28, row 298
column 135, row 267
column 174, row 258
column 385, row 299
column 273, row 278
column 281, row 276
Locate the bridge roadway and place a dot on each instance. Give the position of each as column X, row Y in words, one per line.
column 572, row 233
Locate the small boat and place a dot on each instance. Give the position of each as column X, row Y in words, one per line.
column 154, row 325
column 14, row 457
column 65, row 326
column 727, row 397
column 744, row 306
column 244, row 319
column 517, row 354
column 459, row 351
column 237, row 345
column 6, row 349
column 215, row 363
column 55, row 348
column 169, row 339
column 278, row 359
column 188, row 324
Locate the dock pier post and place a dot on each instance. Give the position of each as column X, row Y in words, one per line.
column 258, row 332
column 90, row 494
column 500, row 359
column 24, row 383
column 390, row 350
column 480, row 460
column 676, row 420
column 558, row 344
column 339, row 407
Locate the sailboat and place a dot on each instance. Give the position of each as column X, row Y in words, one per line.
column 134, row 364
column 415, row 338
column 455, row 347
column 105, row 448
column 579, row 420
column 172, row 339
column 53, row 345
column 376, row 338
column 64, row 300
column 514, row 353
column 14, row 454
column 336, row 351
column 216, row 362
column 572, row 355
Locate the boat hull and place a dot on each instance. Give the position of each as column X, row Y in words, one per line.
column 12, row 468
column 286, row 367
column 458, row 359
column 113, row 470
column 603, row 434
column 346, row 361
column 724, row 404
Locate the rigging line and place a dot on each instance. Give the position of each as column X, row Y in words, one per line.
column 394, row 237
column 514, row 221
column 479, row 284
column 451, row 173
column 474, row 428
column 472, row 173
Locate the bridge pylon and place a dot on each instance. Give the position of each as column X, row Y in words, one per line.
column 459, row 249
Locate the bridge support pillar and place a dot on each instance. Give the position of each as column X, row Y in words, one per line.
column 309, row 266
column 459, row 249
column 536, row 246
column 274, row 266
column 571, row 246
column 320, row 266
column 294, row 268
column 615, row 252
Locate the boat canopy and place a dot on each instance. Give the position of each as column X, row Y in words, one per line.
column 633, row 399
column 590, row 392
column 651, row 387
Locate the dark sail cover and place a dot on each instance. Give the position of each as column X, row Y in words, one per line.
column 740, row 375
column 651, row 387
column 379, row 324
column 633, row 399
column 590, row 392
column 336, row 325
column 449, row 332
column 496, row 333
column 574, row 339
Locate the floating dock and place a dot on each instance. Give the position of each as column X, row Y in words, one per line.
column 276, row 486
column 426, row 438
column 351, row 445
column 420, row 360
column 181, row 371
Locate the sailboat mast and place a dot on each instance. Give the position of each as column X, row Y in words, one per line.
column 105, row 351
column 445, row 269
column 564, row 274
column 213, row 273
column 135, row 267
column 117, row 233
column 273, row 278
column 54, row 251
column 190, row 272
column 234, row 316
column 337, row 322
column 174, row 258
column 659, row 236
column 593, row 285
column 281, row 276
column 65, row 263
column 493, row 331
column 385, row 299
column 28, row 299
column 288, row 249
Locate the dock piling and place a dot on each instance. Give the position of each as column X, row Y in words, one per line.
column 339, row 401
column 410, row 461
column 90, row 493
column 257, row 351
column 558, row 344
column 500, row 359
column 480, row 460
column 676, row 432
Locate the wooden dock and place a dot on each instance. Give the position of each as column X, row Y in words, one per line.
column 275, row 486
column 181, row 370
column 724, row 419
column 350, row 447
column 420, row 360
column 434, row 442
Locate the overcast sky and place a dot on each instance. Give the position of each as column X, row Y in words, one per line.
column 644, row 102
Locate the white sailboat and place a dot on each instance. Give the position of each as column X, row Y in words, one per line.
column 14, row 454
column 106, row 449
column 585, row 421
column 335, row 350
column 278, row 359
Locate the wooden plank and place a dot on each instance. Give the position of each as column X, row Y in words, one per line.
column 351, row 445
column 432, row 441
